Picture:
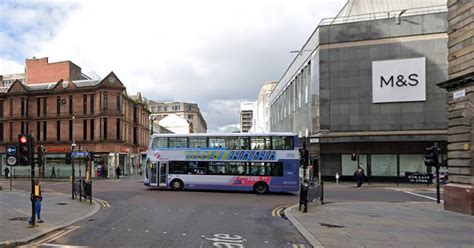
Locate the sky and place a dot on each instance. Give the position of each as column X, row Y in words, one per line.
column 214, row 53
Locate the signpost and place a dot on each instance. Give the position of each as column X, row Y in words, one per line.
column 12, row 159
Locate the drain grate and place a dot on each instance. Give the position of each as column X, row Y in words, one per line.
column 61, row 203
column 330, row 225
column 20, row 218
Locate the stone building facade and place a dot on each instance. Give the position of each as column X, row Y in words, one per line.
column 94, row 115
column 188, row 111
column 347, row 91
column 459, row 193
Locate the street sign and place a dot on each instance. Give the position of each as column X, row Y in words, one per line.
column 12, row 155
column 11, row 150
column 11, row 161
column 79, row 154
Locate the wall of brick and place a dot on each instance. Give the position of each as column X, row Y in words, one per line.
column 41, row 71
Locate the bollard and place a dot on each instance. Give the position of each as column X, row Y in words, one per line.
column 337, row 177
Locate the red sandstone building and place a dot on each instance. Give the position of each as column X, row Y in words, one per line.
column 60, row 106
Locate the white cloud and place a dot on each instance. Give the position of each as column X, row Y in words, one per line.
column 197, row 51
column 10, row 66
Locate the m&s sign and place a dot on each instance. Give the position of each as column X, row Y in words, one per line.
column 399, row 80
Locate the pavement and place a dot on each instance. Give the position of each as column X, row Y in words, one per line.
column 382, row 224
column 57, row 210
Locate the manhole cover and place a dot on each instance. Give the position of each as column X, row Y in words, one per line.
column 20, row 218
column 330, row 225
column 61, row 203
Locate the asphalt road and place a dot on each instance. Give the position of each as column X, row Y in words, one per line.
column 141, row 217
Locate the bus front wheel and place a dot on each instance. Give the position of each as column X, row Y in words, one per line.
column 177, row 185
column 260, row 188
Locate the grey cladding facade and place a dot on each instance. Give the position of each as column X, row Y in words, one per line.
column 340, row 117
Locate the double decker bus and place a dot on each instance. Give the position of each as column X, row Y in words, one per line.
column 231, row 161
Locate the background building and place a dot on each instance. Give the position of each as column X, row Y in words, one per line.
column 7, row 80
column 459, row 193
column 188, row 111
column 261, row 111
column 365, row 83
column 175, row 124
column 94, row 115
column 246, row 116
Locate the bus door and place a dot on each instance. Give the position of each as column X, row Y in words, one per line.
column 163, row 174
column 153, row 174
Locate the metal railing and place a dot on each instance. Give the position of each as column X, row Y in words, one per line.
column 310, row 191
column 383, row 15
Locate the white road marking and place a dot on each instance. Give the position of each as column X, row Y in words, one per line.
column 207, row 212
column 184, row 234
column 129, row 229
column 164, row 232
column 419, row 195
column 266, row 242
column 112, row 228
column 146, row 230
column 181, row 210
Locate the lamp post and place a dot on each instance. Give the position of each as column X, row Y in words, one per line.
column 73, row 146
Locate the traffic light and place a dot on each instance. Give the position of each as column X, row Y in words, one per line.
column 25, row 149
column 353, row 156
column 431, row 155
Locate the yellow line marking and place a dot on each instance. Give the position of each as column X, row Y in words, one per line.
column 273, row 212
column 55, row 236
column 44, row 239
column 295, row 246
column 302, row 246
column 278, row 213
column 63, row 234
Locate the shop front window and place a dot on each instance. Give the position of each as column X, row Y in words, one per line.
column 412, row 163
column 384, row 164
column 349, row 166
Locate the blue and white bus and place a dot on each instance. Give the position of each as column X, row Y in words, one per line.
column 231, row 161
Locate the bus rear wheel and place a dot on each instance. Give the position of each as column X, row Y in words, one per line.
column 260, row 188
column 177, row 185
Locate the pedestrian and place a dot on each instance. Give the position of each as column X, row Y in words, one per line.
column 7, row 172
column 359, row 176
column 37, row 199
column 53, row 173
column 118, row 172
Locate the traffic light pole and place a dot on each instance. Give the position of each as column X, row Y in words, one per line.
column 33, row 198
column 437, row 185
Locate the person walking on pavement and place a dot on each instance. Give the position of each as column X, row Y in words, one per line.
column 7, row 172
column 37, row 199
column 53, row 173
column 118, row 172
column 359, row 176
